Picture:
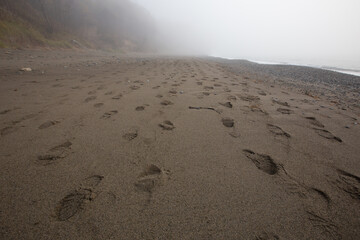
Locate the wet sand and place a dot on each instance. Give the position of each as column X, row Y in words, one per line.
column 101, row 146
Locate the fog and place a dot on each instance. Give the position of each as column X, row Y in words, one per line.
column 323, row 32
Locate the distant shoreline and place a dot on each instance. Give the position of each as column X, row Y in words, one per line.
column 350, row 71
column 337, row 86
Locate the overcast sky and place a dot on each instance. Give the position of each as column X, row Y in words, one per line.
column 269, row 30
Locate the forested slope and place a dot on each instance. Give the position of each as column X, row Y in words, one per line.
column 106, row 24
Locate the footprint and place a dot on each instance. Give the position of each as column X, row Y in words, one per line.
column 315, row 122
column 285, row 111
column 72, row 203
column 76, row 200
column 173, row 91
column 92, row 92
column 109, row 93
column 319, row 193
column 228, row 122
column 48, row 159
column 326, row 134
column 257, row 109
column 348, row 183
column 226, row 89
column 208, row 88
column 267, row 236
column 235, row 134
column 166, row 103
column 167, row 125
column 231, row 98
column 134, row 87
column 91, row 182
column 5, row 111
column 55, row 153
column 88, row 99
column 150, row 179
column 7, row 130
column 329, row 229
column 263, row 162
column 62, row 147
column 48, row 124
column 277, row 131
column 146, row 181
column 159, row 96
column 285, row 104
column 249, row 98
column 226, row 104
column 130, row 135
column 140, row 108
column 109, row 114
column 117, row 97
column 97, row 105
column 262, row 93
column 313, row 195
column 206, row 108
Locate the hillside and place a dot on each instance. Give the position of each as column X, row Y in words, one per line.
column 105, row 24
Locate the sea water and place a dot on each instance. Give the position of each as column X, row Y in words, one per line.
column 336, row 68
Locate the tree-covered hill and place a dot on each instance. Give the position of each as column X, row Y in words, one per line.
column 106, row 24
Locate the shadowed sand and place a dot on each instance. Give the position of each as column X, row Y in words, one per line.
column 101, row 146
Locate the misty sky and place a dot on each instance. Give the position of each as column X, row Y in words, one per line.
column 269, row 30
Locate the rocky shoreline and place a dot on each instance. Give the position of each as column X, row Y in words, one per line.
column 342, row 89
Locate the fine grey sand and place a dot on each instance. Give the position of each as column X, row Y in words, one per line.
column 102, row 146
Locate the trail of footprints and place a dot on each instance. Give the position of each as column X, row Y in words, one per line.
column 346, row 182
column 254, row 107
column 154, row 177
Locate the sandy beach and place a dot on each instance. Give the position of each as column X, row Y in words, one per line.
column 97, row 145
